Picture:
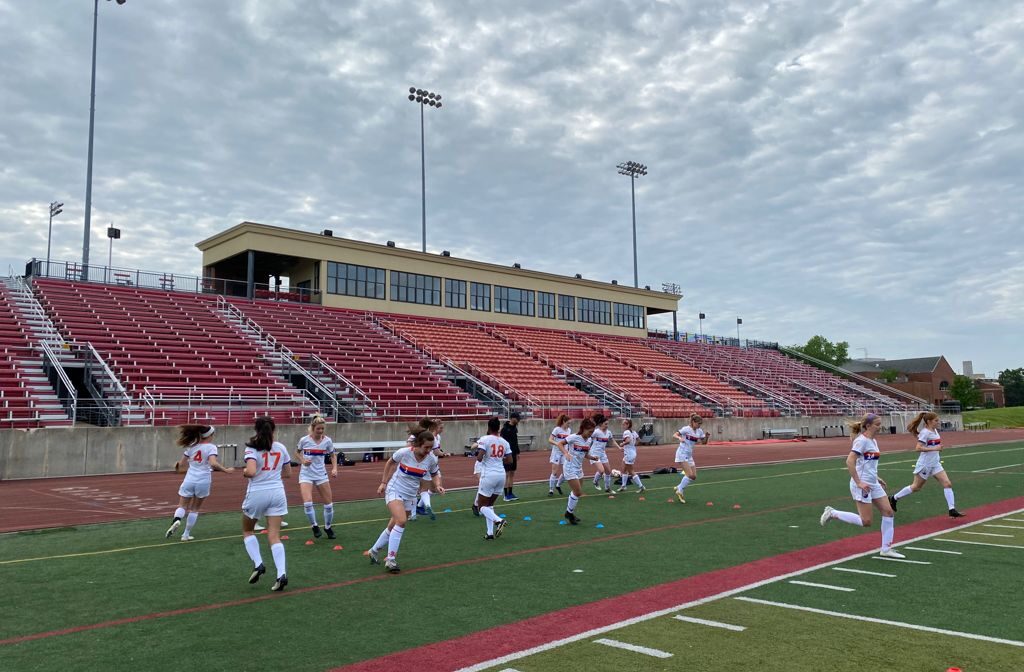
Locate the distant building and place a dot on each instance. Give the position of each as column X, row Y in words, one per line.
column 926, row 377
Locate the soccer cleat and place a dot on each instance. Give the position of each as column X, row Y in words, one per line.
column 488, row 537
column 571, row 517
column 173, row 528
column 513, row 497
column 620, row 490
column 559, row 488
column 597, row 486
column 420, row 510
column 392, row 565
column 284, row 523
column 316, row 531
column 476, row 510
column 430, row 512
column 329, row 531
column 953, row 513
column 826, row 515
column 279, row 585
column 643, row 488
column 891, row 554
column 679, row 496
column 374, row 556
column 607, row 489
column 260, row 528
column 892, row 503
column 551, row 493
column 257, row 572
column 498, row 527
column 187, row 537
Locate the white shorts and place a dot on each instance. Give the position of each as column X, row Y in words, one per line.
column 684, row 454
column 556, row 456
column 629, row 456
column 265, row 503
column 315, row 479
column 491, row 485
column 928, row 472
column 600, row 456
column 571, row 471
column 194, row 488
column 390, row 496
column 875, row 491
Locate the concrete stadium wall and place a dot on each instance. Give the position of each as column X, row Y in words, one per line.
column 87, row 450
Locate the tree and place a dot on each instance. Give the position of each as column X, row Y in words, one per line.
column 1012, row 381
column 965, row 390
column 889, row 375
column 821, row 348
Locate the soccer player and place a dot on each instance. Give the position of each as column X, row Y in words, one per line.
column 929, row 443
column 559, row 433
column 629, row 439
column 688, row 436
column 599, row 452
column 266, row 461
column 575, row 449
column 423, row 504
column 493, row 453
column 313, row 450
column 200, row 458
column 866, row 486
column 400, row 485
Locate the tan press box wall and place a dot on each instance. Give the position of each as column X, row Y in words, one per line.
column 262, row 238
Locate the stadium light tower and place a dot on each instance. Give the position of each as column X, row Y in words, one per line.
column 424, row 98
column 739, row 321
column 633, row 170
column 92, row 121
column 55, row 209
column 672, row 288
column 701, row 317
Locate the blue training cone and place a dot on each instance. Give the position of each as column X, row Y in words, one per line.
column 447, row 511
column 562, row 522
column 501, row 515
column 599, row 526
column 527, row 518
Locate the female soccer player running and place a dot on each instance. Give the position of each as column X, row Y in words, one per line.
column 313, row 450
column 400, row 485
column 629, row 439
column 866, row 486
column 575, row 449
column 200, row 457
column 559, row 433
column 929, row 443
column 689, row 436
column 493, row 453
column 266, row 461
column 599, row 453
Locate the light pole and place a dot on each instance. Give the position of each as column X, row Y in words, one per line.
column 672, row 288
column 424, row 97
column 113, row 234
column 633, row 170
column 55, row 209
column 700, row 318
column 739, row 321
column 92, row 123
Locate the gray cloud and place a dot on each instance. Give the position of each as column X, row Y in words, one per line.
column 846, row 168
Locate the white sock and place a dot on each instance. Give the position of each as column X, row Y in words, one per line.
column 382, row 540
column 551, row 482
column 189, row 522
column 328, row 514
column 948, row 493
column 848, row 518
column 637, row 481
column 683, row 483
column 625, row 479
column 278, row 552
column 607, row 481
column 573, row 501
column 903, row 493
column 488, row 513
column 561, row 479
column 887, row 532
column 252, row 547
column 394, row 540
column 490, row 526
column 425, row 499
column 310, row 512
column 179, row 513
column 597, row 478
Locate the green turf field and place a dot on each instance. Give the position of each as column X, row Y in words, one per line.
column 453, row 582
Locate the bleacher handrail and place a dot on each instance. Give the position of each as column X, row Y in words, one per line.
column 36, row 311
column 52, row 362
column 792, row 407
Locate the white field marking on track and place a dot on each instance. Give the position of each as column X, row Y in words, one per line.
column 541, row 648
column 822, row 585
column 909, row 562
column 655, row 653
column 1005, row 527
column 990, row 534
column 861, row 571
column 898, row 624
column 978, row 543
column 932, row 550
column 1004, row 466
column 713, row 624
column 1014, row 520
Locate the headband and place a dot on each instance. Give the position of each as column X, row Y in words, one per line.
column 208, row 433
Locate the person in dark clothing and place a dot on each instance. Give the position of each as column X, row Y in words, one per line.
column 511, row 434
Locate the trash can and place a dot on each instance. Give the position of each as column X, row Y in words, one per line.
column 892, row 429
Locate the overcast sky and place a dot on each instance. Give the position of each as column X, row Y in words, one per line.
column 845, row 168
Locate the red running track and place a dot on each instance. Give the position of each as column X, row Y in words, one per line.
column 57, row 502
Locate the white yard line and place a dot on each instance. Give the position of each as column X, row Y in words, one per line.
column 909, row 562
column 978, row 543
column 656, row 653
column 861, row 571
column 1005, row 466
column 932, row 550
column 822, row 585
column 898, row 624
column 1005, row 527
column 713, row 624
column 1014, row 520
column 990, row 534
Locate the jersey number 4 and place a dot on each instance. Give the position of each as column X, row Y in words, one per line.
column 266, row 461
column 198, row 456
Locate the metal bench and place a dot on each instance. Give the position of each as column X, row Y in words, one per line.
column 779, row 433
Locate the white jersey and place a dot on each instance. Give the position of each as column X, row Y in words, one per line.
column 629, row 438
column 867, row 459
column 558, row 434
column 405, row 482
column 599, row 441
column 317, row 454
column 930, row 439
column 690, row 436
column 269, row 464
column 495, row 449
column 199, row 455
column 578, row 448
